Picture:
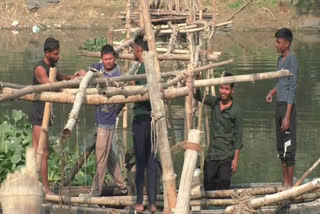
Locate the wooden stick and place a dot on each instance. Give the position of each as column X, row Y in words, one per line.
column 11, row 85
column 294, row 192
column 240, row 9
column 80, row 162
column 43, row 139
column 79, row 99
column 189, row 165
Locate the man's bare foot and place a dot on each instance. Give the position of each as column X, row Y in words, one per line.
column 139, row 208
column 48, row 191
column 152, row 208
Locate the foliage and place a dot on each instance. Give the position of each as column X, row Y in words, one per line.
column 256, row 4
column 307, row 6
column 84, row 175
column 15, row 137
column 94, row 44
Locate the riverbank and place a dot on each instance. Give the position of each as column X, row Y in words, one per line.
column 260, row 15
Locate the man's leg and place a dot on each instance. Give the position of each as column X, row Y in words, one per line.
column 151, row 167
column 139, row 153
column 103, row 145
column 36, row 130
column 224, row 173
column 114, row 169
column 280, row 135
column 210, row 175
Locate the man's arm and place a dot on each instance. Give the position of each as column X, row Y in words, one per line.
column 270, row 94
column 41, row 75
column 61, row 76
column 209, row 99
column 238, row 128
column 292, row 80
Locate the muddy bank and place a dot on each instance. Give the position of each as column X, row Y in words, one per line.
column 101, row 14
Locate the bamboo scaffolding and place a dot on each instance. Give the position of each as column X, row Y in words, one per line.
column 189, row 165
column 43, row 138
column 294, row 192
column 170, row 93
column 12, row 94
column 79, row 99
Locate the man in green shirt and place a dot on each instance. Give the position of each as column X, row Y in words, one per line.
column 224, row 150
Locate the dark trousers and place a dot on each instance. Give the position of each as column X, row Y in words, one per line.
column 144, row 158
column 217, row 174
column 286, row 140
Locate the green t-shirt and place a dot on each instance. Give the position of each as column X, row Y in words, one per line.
column 142, row 108
column 227, row 127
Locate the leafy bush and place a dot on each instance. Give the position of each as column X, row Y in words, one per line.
column 15, row 137
column 94, row 44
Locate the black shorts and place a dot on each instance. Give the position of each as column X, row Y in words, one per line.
column 286, row 140
column 36, row 114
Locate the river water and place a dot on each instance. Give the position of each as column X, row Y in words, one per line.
column 252, row 52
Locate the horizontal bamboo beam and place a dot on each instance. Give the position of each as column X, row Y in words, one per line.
column 12, row 94
column 170, row 93
column 181, row 57
column 123, row 201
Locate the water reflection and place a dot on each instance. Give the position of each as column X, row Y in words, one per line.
column 252, row 52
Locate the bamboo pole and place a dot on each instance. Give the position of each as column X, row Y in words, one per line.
column 240, row 9
column 80, row 162
column 189, row 165
column 128, row 14
column 169, row 177
column 123, row 201
column 181, row 57
column 168, row 93
column 79, row 99
column 154, row 78
column 294, row 192
column 11, row 85
column 43, row 139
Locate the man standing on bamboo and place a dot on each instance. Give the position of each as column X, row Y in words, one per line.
column 145, row 158
column 224, row 150
column 106, row 119
column 41, row 76
column 285, row 106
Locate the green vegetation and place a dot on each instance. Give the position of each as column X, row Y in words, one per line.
column 15, row 137
column 256, row 4
column 94, row 44
column 307, row 6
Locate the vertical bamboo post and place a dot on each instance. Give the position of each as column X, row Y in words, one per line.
column 214, row 11
column 169, row 177
column 189, row 165
column 177, row 5
column 160, row 126
column 43, row 139
column 125, row 108
column 110, row 35
column 141, row 18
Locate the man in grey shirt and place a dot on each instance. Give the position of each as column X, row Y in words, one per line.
column 285, row 107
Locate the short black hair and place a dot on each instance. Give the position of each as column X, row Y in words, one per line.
column 51, row 44
column 284, row 33
column 228, row 74
column 139, row 41
column 107, row 49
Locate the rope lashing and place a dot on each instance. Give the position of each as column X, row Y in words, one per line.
column 156, row 117
column 186, row 146
column 241, row 203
